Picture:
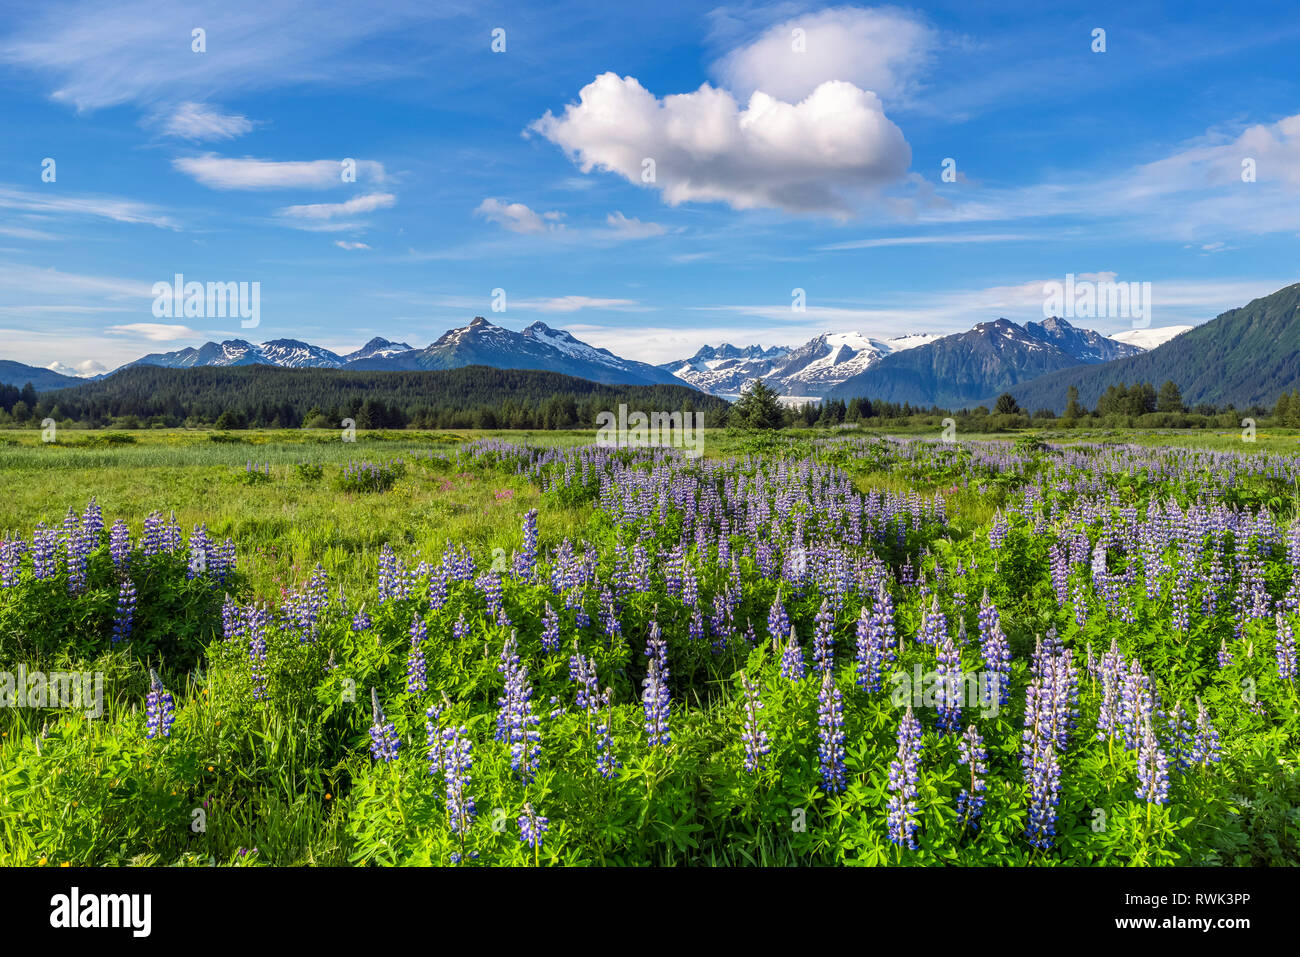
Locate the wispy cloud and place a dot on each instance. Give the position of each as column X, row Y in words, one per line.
column 574, row 303
column 517, row 217
column 626, row 228
column 101, row 53
column 344, row 244
column 248, row 173
column 153, row 331
column 941, row 239
column 24, row 279
column 198, row 122
column 352, row 207
column 55, row 202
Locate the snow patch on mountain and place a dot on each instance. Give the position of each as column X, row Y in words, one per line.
column 1148, row 339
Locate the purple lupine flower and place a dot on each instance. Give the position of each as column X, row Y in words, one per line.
column 516, row 723
column 1060, row 569
column 1111, row 672
column 457, row 761
column 753, row 736
column 1044, row 774
column 606, row 763
column 391, row 576
column 10, row 555
column 460, row 629
column 438, row 586
column 433, row 736
column 159, row 713
column 254, row 629
column 200, row 552
column 152, row 541
column 1137, row 704
column 994, row 649
column 361, row 621
column 526, row 560
column 531, row 827
column 124, row 615
column 582, row 672
column 1153, row 769
column 792, row 664
column 830, row 734
column 77, row 549
column 170, row 534
column 609, row 622
column 550, row 630
column 949, row 686
column 232, row 619
column 875, row 649
column 998, row 532
column 92, row 521
column 778, row 622
column 696, row 627
column 384, row 742
column 1285, row 649
column 933, row 624
column 224, row 559
column 119, row 544
column 904, row 776
column 970, row 802
column 654, row 700
column 1225, row 656
column 416, row 675
column 823, row 639
column 1179, row 731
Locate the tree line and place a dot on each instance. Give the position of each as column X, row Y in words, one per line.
column 261, row 396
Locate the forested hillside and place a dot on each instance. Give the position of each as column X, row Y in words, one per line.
column 268, row 396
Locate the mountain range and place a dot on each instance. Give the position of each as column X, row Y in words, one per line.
column 538, row 347
column 1036, row 361
column 967, row 368
column 812, row 369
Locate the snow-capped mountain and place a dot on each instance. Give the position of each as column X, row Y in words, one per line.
column 967, row 368
column 1148, row 339
column 479, row 343
column 537, row 347
column 293, row 354
column 812, row 369
column 289, row 353
column 1084, row 344
column 377, row 348
column 726, row 369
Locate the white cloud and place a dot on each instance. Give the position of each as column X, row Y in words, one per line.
column 800, row 157
column 344, row 244
column 1195, row 193
column 574, row 303
column 1173, row 301
column 25, row 280
column 198, row 122
column 153, row 331
column 940, row 240
column 94, row 207
column 223, row 172
column 82, row 369
column 881, row 50
column 101, row 53
column 517, row 217
column 633, row 228
column 359, row 204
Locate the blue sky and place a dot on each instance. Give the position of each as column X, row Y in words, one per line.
column 775, row 168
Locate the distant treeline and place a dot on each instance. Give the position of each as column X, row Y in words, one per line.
column 1139, row 404
column 262, row 396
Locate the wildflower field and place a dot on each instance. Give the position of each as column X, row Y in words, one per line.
column 809, row 648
